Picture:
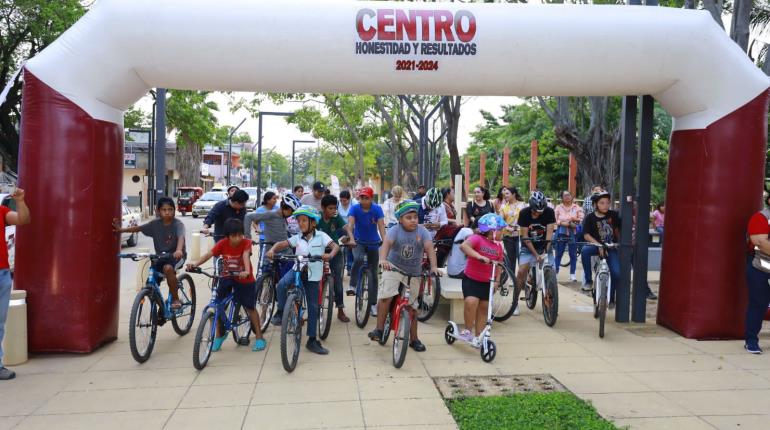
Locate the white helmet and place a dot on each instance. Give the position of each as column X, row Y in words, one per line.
column 291, row 201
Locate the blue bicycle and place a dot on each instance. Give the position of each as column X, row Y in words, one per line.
column 363, row 287
column 219, row 312
column 150, row 310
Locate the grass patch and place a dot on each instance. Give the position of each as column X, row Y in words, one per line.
column 557, row 411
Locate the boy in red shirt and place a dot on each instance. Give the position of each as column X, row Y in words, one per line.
column 235, row 253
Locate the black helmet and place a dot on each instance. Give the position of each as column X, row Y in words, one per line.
column 538, row 202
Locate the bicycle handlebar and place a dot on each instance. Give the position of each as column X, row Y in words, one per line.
column 290, row 257
column 200, row 271
column 136, row 256
column 603, row 245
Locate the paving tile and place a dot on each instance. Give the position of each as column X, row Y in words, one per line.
column 735, row 422
column 748, row 361
column 112, row 400
column 217, row 395
column 635, row 405
column 146, row 378
column 26, row 393
column 641, row 347
column 309, row 368
column 304, row 391
column 723, row 402
column 406, row 412
column 669, row 363
column 57, row 363
column 560, row 349
column 145, row 419
column 526, row 365
column 309, row 415
column 713, row 347
column 223, row 375
column 7, row 423
column 413, row 367
column 700, row 380
column 416, row 427
column 223, row 418
column 597, row 383
column 398, row 388
column 455, row 367
column 666, row 423
column 166, row 360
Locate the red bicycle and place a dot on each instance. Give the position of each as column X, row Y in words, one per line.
column 400, row 318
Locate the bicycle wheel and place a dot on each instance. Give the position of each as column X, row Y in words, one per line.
column 428, row 301
column 401, row 338
column 602, row 281
column 385, row 329
column 241, row 325
column 266, row 303
column 182, row 320
column 530, row 289
column 505, row 300
column 326, row 306
column 291, row 333
column 550, row 296
column 204, row 340
column 143, row 325
column 362, row 300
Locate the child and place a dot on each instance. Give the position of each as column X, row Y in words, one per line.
column 310, row 242
column 602, row 226
column 482, row 249
column 366, row 223
column 332, row 224
column 274, row 226
column 455, row 265
column 167, row 235
column 403, row 248
column 235, row 252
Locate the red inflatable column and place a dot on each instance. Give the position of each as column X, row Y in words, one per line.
column 70, row 166
column 715, row 178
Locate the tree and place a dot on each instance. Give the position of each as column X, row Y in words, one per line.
column 26, row 28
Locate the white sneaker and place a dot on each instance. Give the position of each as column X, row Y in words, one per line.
column 516, row 312
column 467, row 336
column 374, row 310
column 572, row 278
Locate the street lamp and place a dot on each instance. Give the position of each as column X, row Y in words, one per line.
column 293, row 144
column 230, row 152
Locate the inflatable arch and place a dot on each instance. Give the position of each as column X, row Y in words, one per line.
column 77, row 89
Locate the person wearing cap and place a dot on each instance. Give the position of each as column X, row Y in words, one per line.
column 231, row 190
column 314, row 199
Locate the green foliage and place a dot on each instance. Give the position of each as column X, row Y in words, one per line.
column 191, row 114
column 136, row 118
column 276, row 168
column 533, row 411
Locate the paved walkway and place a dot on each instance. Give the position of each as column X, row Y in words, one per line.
column 642, row 376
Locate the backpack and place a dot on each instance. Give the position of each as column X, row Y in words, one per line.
column 445, row 238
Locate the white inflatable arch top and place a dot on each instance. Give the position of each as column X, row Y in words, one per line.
column 122, row 48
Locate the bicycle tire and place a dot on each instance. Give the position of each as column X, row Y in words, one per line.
column 550, row 297
column 240, row 325
column 385, row 330
column 266, row 300
column 530, row 290
column 205, row 328
column 291, row 331
column 188, row 298
column 602, row 305
column 503, row 306
column 426, row 308
column 145, row 299
column 362, row 300
column 401, row 338
column 326, row 307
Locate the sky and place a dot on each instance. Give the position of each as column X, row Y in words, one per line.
column 276, row 133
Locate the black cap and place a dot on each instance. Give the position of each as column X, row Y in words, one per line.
column 240, row 196
column 318, row 186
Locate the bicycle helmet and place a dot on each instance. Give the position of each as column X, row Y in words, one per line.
column 490, row 222
column 596, row 196
column 538, row 202
column 433, row 198
column 291, row 201
column 406, row 207
column 308, row 211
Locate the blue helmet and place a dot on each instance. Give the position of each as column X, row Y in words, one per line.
column 308, row 211
column 490, row 222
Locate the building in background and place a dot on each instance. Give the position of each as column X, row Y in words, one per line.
column 136, row 169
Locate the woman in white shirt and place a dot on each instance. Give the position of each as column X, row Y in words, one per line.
column 389, row 207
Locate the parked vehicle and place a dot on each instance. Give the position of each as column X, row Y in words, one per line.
column 130, row 219
column 251, row 204
column 206, row 202
column 10, row 230
column 187, row 197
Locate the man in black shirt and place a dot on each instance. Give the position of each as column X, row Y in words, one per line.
column 233, row 207
column 601, row 227
column 536, row 224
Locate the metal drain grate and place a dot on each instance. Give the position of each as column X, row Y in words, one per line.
column 472, row 386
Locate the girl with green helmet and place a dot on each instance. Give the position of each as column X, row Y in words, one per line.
column 432, row 214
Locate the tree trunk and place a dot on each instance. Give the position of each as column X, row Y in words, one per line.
column 451, row 111
column 188, row 162
column 739, row 30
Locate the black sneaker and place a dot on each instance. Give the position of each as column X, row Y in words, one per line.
column 611, row 306
column 417, row 345
column 313, row 345
column 651, row 296
column 6, row 374
column 753, row 349
column 375, row 334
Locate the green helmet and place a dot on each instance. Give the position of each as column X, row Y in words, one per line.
column 433, row 198
column 406, row 207
column 307, row 211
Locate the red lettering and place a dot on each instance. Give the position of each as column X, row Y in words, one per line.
column 365, row 34
column 406, row 25
column 462, row 34
column 425, row 16
column 442, row 21
column 385, row 19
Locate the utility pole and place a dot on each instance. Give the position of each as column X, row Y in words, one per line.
column 160, row 145
column 230, row 152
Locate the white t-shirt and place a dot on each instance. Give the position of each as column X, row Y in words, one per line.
column 455, row 264
column 435, row 216
column 314, row 247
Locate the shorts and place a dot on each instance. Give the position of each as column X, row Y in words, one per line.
column 525, row 257
column 245, row 293
column 168, row 259
column 474, row 288
column 390, row 282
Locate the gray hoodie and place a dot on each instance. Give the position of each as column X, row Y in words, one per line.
column 275, row 225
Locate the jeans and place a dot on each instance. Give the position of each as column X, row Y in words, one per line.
column 759, row 299
column 373, row 256
column 660, row 235
column 348, row 258
column 566, row 241
column 511, row 245
column 613, row 261
column 311, row 292
column 5, row 300
column 336, row 266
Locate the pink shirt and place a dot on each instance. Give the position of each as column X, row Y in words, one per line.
column 564, row 214
column 657, row 218
column 477, row 269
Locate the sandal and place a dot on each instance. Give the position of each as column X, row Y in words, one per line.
column 217, row 344
column 259, row 345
